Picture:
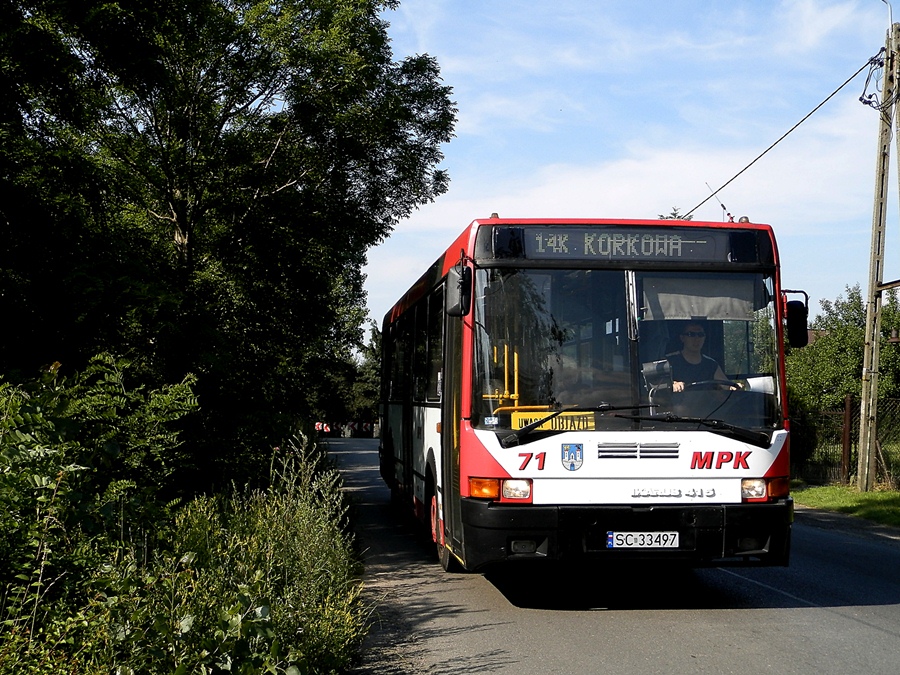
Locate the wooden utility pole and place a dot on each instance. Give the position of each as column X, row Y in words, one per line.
column 869, row 396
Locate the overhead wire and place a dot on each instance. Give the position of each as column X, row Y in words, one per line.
column 874, row 61
column 872, row 99
column 884, row 107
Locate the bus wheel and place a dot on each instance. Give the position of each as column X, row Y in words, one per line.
column 448, row 561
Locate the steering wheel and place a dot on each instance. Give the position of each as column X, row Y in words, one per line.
column 710, row 384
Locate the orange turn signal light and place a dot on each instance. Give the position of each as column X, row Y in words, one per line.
column 779, row 487
column 484, row 488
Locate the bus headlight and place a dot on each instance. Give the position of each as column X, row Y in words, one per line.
column 516, row 488
column 753, row 488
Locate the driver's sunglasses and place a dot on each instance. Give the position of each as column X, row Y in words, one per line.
column 694, row 333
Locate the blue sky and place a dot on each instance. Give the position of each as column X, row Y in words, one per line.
column 605, row 108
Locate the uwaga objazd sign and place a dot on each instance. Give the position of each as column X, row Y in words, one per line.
column 573, row 421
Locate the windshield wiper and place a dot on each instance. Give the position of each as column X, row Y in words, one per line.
column 515, row 437
column 758, row 438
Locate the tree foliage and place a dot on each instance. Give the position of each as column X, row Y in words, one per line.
column 821, row 374
column 99, row 573
column 195, row 185
column 85, row 467
column 675, row 214
column 367, row 383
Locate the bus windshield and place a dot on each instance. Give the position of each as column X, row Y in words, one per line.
column 682, row 345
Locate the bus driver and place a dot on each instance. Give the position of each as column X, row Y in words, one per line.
column 690, row 364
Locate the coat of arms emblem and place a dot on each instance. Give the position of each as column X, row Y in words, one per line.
column 572, row 455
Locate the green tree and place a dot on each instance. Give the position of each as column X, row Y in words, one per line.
column 207, row 177
column 675, row 215
column 367, row 384
column 821, row 374
column 348, row 389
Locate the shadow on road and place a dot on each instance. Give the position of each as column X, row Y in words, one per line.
column 582, row 588
column 400, row 562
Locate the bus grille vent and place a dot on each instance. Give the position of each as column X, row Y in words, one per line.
column 617, row 450
column 637, row 450
column 659, row 450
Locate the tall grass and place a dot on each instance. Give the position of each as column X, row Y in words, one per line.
column 262, row 581
column 881, row 506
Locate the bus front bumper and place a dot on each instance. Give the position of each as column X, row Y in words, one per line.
column 721, row 534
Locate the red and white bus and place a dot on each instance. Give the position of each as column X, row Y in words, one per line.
column 532, row 405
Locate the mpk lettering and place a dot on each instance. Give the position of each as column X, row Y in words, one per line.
column 702, row 460
column 723, row 458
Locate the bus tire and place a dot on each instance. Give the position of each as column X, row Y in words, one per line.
column 448, row 561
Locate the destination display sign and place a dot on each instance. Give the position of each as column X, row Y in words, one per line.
column 626, row 243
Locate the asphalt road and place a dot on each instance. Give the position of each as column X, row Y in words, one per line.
column 836, row 609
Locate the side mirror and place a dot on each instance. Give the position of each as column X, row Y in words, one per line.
column 797, row 314
column 458, row 292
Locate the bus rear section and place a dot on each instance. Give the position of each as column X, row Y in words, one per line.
column 615, row 392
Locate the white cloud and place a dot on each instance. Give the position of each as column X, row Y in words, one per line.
column 815, row 187
column 531, row 110
column 802, row 25
column 416, row 22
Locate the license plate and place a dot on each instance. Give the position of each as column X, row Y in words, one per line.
column 641, row 540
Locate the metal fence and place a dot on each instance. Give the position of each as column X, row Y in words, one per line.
column 825, row 444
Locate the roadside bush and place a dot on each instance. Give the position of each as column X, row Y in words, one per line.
column 83, row 466
column 266, row 582
column 99, row 575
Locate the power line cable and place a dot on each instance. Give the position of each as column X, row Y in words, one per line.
column 870, row 62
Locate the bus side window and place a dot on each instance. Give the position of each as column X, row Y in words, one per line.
column 401, row 362
column 435, row 344
column 420, row 354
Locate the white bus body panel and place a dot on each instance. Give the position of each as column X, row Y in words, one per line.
column 635, row 467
